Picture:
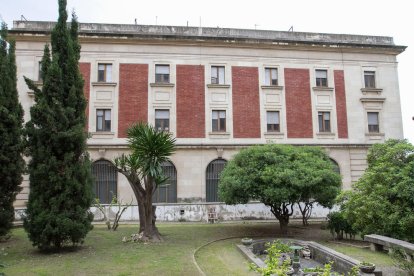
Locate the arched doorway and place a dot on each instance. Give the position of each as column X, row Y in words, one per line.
column 167, row 192
column 336, row 166
column 106, row 180
column 212, row 179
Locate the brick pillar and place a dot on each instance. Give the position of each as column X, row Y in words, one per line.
column 85, row 70
column 190, row 101
column 298, row 103
column 246, row 106
column 341, row 114
column 133, row 96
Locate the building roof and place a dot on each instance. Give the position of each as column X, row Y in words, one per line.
column 200, row 34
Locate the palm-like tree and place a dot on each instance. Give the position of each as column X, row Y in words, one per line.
column 142, row 168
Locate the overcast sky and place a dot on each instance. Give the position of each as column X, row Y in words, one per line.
column 369, row 17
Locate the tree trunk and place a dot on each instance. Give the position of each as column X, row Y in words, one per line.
column 141, row 215
column 306, row 212
column 146, row 211
column 284, row 225
column 282, row 213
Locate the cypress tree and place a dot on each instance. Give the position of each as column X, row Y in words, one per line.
column 60, row 177
column 11, row 142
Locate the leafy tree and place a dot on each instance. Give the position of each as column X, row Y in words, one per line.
column 142, row 168
column 313, row 189
column 382, row 201
column 11, row 144
column 278, row 176
column 60, row 170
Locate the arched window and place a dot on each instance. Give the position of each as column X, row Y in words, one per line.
column 336, row 166
column 106, row 180
column 167, row 192
column 212, row 179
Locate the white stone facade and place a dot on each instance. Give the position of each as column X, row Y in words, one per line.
column 351, row 54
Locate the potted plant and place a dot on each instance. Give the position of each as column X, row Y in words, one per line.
column 247, row 241
column 366, row 267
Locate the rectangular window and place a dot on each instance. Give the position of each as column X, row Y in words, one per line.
column 218, row 121
column 373, row 122
column 103, row 120
column 40, row 73
column 273, row 121
column 321, row 78
column 369, row 78
column 271, row 76
column 324, row 119
column 162, row 73
column 217, row 74
column 162, row 120
column 104, row 72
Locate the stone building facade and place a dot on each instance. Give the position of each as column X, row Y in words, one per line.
column 219, row 90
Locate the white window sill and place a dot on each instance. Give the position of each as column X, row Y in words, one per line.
column 211, row 85
column 377, row 91
column 162, row 84
column 274, row 135
column 103, row 83
column 322, row 88
column 219, row 135
column 102, row 134
column 374, row 134
column 325, row 135
column 272, row 87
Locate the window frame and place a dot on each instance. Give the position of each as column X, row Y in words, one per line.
column 221, row 124
column 373, row 128
column 162, row 77
column 106, row 75
column 370, row 83
column 272, row 128
column 218, row 79
column 325, row 126
column 106, row 177
column 268, row 76
column 105, row 127
column 319, row 81
column 164, row 123
column 212, row 178
column 40, row 72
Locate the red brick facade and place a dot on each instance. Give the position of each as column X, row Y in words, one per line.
column 85, row 69
column 298, row 103
column 246, row 106
column 133, row 96
column 341, row 104
column 190, row 101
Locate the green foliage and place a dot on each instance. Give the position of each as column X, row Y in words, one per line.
column 275, row 265
column 382, row 201
column 313, row 269
column 60, row 170
column 400, row 259
column 151, row 147
column 11, row 142
column 279, row 176
column 338, row 225
column 278, row 246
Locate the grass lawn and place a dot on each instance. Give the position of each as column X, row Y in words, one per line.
column 103, row 253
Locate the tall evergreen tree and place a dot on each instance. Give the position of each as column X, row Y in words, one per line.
column 11, row 143
column 60, row 177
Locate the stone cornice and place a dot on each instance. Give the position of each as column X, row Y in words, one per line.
column 178, row 35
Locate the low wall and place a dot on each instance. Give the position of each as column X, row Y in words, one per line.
column 199, row 212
